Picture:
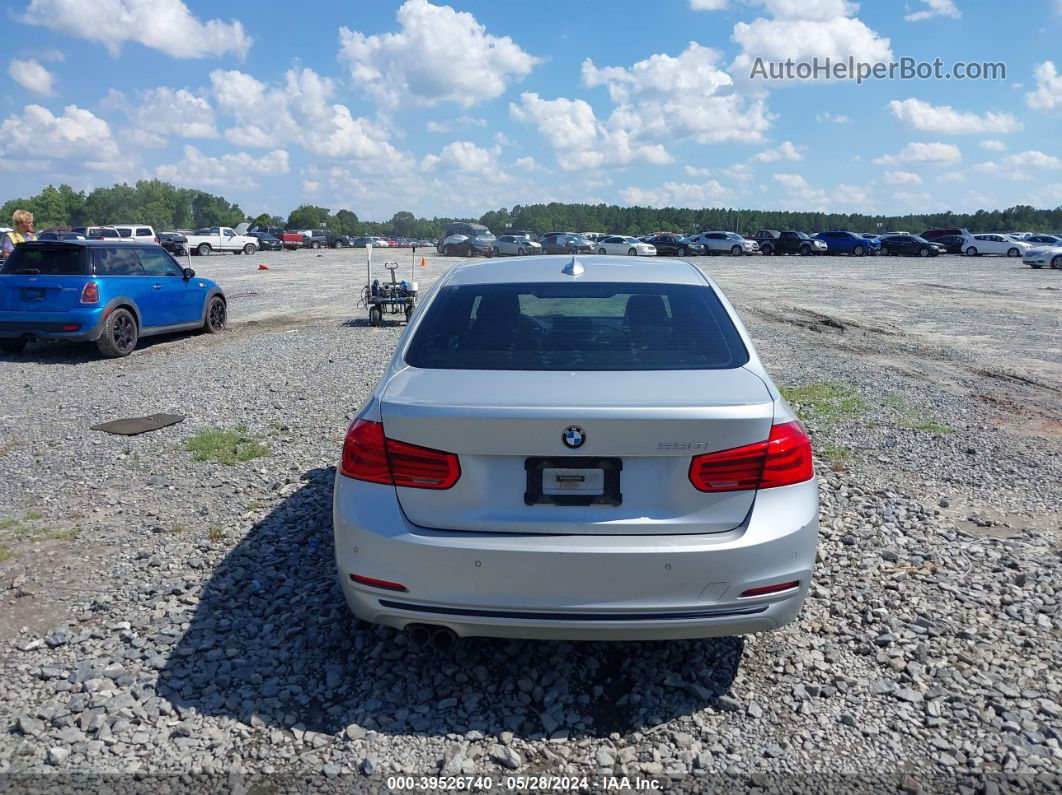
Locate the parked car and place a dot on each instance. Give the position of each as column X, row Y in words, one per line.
column 726, row 243
column 174, row 243
column 139, row 232
column 220, row 238
column 565, row 467
column 953, row 244
column 322, row 238
column 593, row 237
column 59, row 234
column 267, row 242
column 933, row 234
column 476, row 246
column 564, row 243
column 1043, row 240
column 453, row 231
column 513, row 244
column 103, row 291
column 1044, row 255
column 289, row 240
column 622, row 244
column 772, row 241
column 521, row 233
column 848, row 243
column 1000, row 245
column 99, row 233
column 910, row 246
column 668, row 244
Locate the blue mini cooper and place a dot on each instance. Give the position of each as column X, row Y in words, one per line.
column 104, row 292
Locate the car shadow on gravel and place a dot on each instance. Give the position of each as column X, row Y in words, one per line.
column 271, row 643
column 84, row 352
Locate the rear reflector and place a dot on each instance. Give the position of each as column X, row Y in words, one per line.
column 766, row 589
column 370, row 456
column 375, row 583
column 782, row 460
column 90, row 293
column 71, row 327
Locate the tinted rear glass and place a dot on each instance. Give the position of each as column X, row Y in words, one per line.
column 577, row 327
column 49, row 261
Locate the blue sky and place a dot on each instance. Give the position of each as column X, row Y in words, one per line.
column 455, row 109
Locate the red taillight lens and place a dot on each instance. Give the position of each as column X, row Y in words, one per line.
column 766, row 589
column 369, row 455
column 784, row 459
column 375, row 583
column 90, row 293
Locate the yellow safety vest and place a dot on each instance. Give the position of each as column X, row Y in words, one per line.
column 18, row 237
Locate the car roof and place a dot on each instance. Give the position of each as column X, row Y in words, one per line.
column 598, row 268
column 90, row 243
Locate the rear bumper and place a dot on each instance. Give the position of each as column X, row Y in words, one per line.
column 54, row 325
column 576, row 587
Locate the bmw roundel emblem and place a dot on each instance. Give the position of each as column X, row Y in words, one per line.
column 573, row 436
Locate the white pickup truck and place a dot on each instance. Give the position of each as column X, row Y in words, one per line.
column 220, row 238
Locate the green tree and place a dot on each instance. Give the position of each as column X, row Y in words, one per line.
column 307, row 216
column 345, row 223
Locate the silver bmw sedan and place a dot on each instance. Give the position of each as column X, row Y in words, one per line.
column 581, row 448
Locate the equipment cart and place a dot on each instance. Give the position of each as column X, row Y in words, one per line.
column 387, row 298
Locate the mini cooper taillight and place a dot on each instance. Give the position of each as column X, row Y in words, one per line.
column 370, row 456
column 90, row 293
column 782, row 460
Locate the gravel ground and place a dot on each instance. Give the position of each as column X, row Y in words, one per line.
column 165, row 616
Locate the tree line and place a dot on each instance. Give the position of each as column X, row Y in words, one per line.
column 166, row 207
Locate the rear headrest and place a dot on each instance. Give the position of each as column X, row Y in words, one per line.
column 498, row 308
column 645, row 309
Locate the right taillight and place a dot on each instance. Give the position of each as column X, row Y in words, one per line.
column 782, row 460
column 369, row 455
column 90, row 293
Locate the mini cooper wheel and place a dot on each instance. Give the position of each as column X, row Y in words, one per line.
column 448, row 251
column 203, row 249
column 12, row 345
column 217, row 315
column 119, row 336
column 683, row 252
column 339, row 244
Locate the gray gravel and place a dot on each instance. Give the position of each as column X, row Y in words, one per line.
column 163, row 616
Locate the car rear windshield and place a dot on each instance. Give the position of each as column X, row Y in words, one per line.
column 597, row 326
column 51, row 260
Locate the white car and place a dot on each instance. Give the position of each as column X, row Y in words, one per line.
column 1002, row 245
column 1044, row 255
column 579, row 448
column 138, row 233
column 621, row 244
column 726, row 243
column 514, row 245
column 220, row 238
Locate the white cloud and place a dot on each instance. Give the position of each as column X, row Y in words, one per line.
column 526, row 164
column 237, row 170
column 1020, row 166
column 934, row 153
column 832, row 118
column 920, row 200
column 644, row 112
column 77, row 133
column 993, row 145
column 951, row 178
column 310, row 186
column 463, row 156
column 920, row 115
column 676, row 194
column 935, row 8
column 579, row 139
column 784, row 151
column 802, row 30
column 696, row 171
column 31, row 76
column 164, row 25
column 1048, row 93
column 300, row 110
column 739, row 171
column 438, row 55
column 165, row 112
column 902, row 178
column 796, row 193
column 453, row 125
column 711, row 5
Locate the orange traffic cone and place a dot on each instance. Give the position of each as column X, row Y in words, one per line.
column 263, row 267
column 423, row 263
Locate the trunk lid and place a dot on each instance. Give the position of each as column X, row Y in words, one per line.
column 30, row 293
column 651, row 422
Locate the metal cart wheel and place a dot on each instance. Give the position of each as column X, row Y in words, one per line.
column 375, row 316
column 409, row 312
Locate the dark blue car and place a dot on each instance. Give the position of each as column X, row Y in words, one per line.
column 849, row 243
column 104, row 292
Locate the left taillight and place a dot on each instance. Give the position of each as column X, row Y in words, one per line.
column 90, row 293
column 370, row 456
column 782, row 460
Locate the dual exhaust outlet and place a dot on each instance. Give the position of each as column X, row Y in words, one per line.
column 428, row 636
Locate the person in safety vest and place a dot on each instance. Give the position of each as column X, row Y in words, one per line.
column 22, row 220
